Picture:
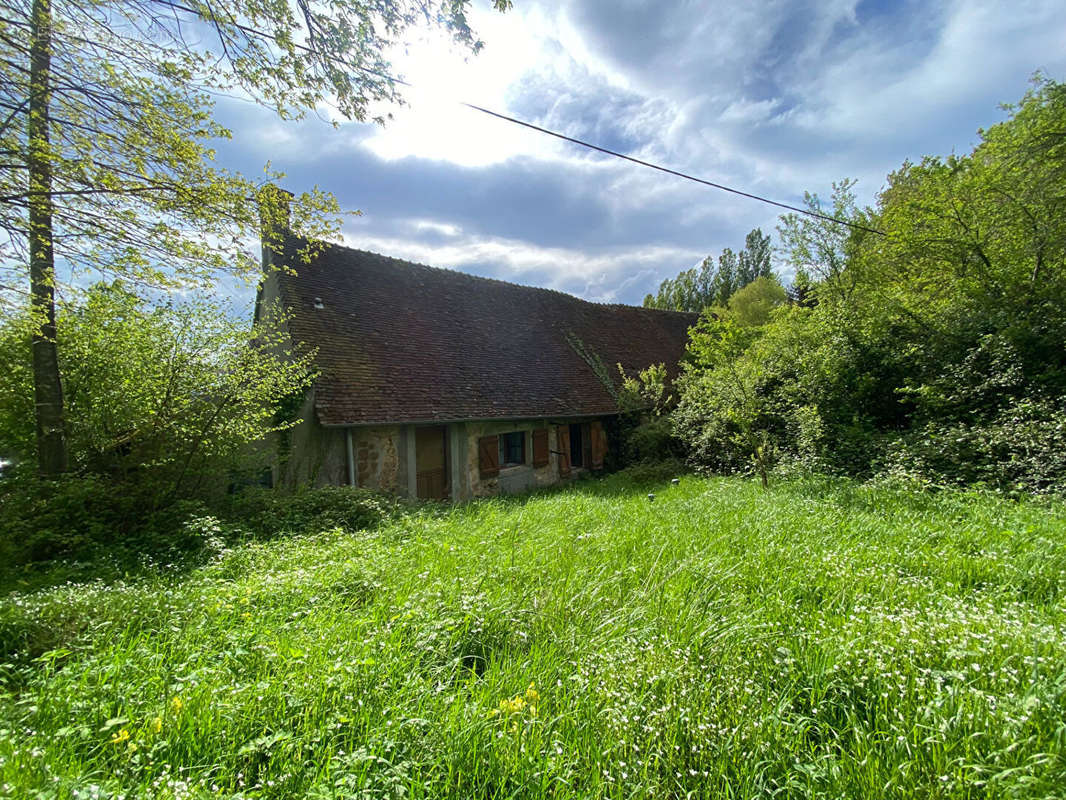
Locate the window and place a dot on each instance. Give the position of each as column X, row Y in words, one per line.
column 512, row 448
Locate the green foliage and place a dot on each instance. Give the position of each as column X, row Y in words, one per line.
column 1021, row 448
column 647, row 391
column 267, row 513
column 42, row 520
column 177, row 390
column 163, row 404
column 699, row 288
column 84, row 517
column 650, row 439
column 720, row 416
column 819, row 639
column 934, row 351
column 753, row 304
column 753, row 262
column 16, row 387
column 827, row 252
column 645, row 431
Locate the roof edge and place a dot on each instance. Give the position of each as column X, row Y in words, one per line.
column 462, row 419
column 472, row 276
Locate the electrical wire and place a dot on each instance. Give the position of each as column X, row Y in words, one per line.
column 581, row 142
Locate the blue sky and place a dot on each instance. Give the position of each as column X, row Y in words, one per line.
column 771, row 97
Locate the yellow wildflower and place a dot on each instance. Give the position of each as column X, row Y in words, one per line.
column 120, row 737
column 157, row 725
column 177, row 704
column 519, row 704
column 512, row 706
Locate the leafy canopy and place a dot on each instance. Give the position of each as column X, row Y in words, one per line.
column 134, row 190
column 164, row 393
column 934, row 351
column 710, row 285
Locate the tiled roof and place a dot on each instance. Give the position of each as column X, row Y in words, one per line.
column 402, row 342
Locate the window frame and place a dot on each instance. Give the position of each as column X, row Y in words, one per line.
column 504, row 446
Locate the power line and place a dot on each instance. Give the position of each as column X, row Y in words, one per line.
column 669, row 171
column 581, row 142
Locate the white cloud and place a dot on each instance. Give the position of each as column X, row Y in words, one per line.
column 601, row 276
column 429, row 226
column 775, row 98
column 435, row 125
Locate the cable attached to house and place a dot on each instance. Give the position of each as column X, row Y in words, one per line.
column 581, row 142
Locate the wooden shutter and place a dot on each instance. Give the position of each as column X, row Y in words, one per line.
column 540, row 447
column 488, row 456
column 562, row 436
column 599, row 443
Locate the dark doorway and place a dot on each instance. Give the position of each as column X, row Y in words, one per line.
column 577, row 455
column 431, row 463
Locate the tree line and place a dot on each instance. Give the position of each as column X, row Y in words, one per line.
column 714, row 283
column 933, row 352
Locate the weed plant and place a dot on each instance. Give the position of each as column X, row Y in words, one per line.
column 820, row 639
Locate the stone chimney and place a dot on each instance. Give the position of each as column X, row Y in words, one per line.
column 274, row 203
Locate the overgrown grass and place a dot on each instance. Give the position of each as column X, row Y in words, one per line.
column 820, row 639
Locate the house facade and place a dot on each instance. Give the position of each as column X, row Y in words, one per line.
column 437, row 384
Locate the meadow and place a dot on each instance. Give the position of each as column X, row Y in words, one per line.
column 820, row 639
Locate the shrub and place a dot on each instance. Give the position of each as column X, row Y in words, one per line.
column 651, row 440
column 1021, row 449
column 645, row 432
column 168, row 393
column 41, row 520
column 84, row 516
column 77, row 516
column 267, row 513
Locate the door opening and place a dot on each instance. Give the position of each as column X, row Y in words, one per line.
column 577, row 454
column 431, row 463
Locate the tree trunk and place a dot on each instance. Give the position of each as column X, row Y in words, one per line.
column 47, row 389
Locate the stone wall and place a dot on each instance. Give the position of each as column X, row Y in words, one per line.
column 310, row 454
column 521, row 478
column 380, row 458
column 317, row 456
column 313, row 455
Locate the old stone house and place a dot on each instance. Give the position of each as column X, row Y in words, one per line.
column 438, row 384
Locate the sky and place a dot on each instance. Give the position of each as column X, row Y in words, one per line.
column 774, row 98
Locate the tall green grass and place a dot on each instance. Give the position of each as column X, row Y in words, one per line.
column 821, row 639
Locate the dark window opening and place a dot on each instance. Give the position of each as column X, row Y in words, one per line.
column 576, row 442
column 512, row 448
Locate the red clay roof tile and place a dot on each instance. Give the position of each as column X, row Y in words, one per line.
column 403, row 342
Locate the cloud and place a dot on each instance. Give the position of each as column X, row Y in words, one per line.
column 774, row 97
column 607, row 276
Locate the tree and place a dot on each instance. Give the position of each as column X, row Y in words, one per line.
column 976, row 244
column 752, row 305
column 722, row 415
column 106, row 139
column 726, row 279
column 824, row 249
column 934, row 350
column 166, row 393
column 754, row 260
column 801, row 291
column 696, row 289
